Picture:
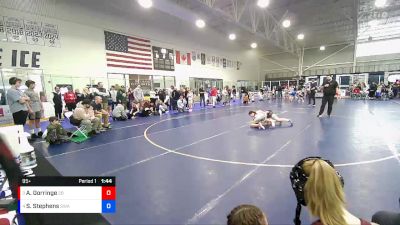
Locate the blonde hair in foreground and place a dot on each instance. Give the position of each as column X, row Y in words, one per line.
column 323, row 192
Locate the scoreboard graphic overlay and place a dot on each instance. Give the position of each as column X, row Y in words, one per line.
column 67, row 195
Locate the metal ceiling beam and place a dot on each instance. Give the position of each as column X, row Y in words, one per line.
column 271, row 29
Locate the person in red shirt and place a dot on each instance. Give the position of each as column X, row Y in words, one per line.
column 70, row 99
column 213, row 94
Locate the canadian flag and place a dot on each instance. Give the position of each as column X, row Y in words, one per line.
column 183, row 58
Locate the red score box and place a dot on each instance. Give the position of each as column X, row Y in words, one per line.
column 108, row 193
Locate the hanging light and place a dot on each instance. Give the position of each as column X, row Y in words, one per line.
column 322, row 48
column 286, row 23
column 200, row 23
column 263, row 3
column 232, row 37
column 380, row 3
column 145, row 3
column 253, row 45
column 300, row 36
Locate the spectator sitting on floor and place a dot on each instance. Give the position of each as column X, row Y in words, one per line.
column 161, row 107
column 247, row 215
column 84, row 116
column 56, row 134
column 99, row 112
column 181, row 104
column 132, row 112
column 119, row 113
column 144, row 112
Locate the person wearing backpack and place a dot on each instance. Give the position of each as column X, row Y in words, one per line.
column 70, row 99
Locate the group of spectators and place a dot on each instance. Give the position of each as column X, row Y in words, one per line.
column 93, row 107
column 376, row 91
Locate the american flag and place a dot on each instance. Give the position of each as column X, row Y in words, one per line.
column 127, row 52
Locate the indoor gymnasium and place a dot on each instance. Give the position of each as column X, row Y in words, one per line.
column 199, row 112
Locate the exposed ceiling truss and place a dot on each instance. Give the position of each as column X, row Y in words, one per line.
column 247, row 15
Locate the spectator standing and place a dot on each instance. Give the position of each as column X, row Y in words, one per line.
column 190, row 97
column 35, row 109
column 79, row 96
column 214, row 93
column 372, row 90
column 57, row 100
column 202, row 97
column 313, row 89
column 17, row 101
column 153, row 98
column 87, row 95
column 161, row 95
column 234, row 93
column 279, row 91
column 113, row 95
column 139, row 96
column 70, row 99
column 175, row 95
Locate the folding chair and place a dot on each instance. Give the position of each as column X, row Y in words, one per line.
column 80, row 134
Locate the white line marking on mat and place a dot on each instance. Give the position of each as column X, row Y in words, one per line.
column 113, row 142
column 165, row 153
column 255, row 164
column 214, row 202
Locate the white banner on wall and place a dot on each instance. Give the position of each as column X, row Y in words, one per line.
column 33, row 32
column 14, row 29
column 3, row 36
column 51, row 35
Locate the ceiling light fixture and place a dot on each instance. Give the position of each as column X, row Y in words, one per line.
column 300, row 36
column 380, row 3
column 263, row 3
column 145, row 3
column 232, row 36
column 200, row 23
column 286, row 23
column 322, row 48
column 253, row 45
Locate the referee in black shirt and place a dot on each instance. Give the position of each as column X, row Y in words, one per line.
column 330, row 88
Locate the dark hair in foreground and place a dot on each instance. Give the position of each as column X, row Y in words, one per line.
column 28, row 83
column 246, row 215
column 52, row 119
column 251, row 112
column 13, row 80
column 86, row 102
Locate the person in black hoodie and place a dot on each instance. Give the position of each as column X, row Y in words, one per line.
column 175, row 97
column 161, row 95
column 57, row 100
